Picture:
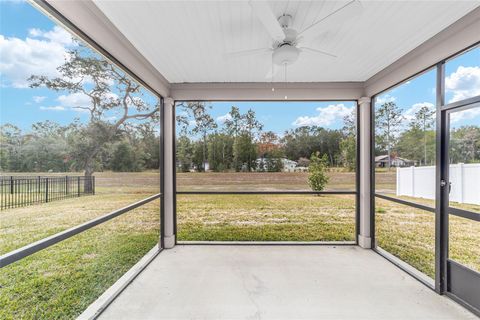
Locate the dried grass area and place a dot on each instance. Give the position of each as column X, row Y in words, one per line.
column 260, row 181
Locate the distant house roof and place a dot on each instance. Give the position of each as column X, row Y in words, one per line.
column 385, row 158
column 284, row 160
column 380, row 158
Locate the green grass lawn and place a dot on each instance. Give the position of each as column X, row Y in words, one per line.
column 61, row 281
column 266, row 217
column 409, row 234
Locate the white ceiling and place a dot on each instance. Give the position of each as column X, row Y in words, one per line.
column 187, row 40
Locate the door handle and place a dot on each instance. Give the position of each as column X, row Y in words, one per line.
column 443, row 183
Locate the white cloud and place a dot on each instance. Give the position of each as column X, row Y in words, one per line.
column 56, row 35
column 463, row 83
column 385, row 98
column 38, row 99
column 39, row 54
column 74, row 100
column 225, row 117
column 53, row 108
column 409, row 114
column 78, row 102
column 467, row 114
column 326, row 116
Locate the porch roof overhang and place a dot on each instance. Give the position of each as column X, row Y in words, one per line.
column 145, row 40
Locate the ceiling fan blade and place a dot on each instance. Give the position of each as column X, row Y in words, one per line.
column 331, row 21
column 250, row 52
column 311, row 50
column 266, row 16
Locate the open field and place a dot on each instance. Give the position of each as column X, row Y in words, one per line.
column 260, row 181
column 61, row 281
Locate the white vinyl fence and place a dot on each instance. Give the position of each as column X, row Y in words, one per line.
column 420, row 182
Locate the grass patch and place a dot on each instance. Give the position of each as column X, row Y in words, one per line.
column 266, row 217
column 409, row 234
column 61, row 281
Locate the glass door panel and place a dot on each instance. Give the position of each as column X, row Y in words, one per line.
column 463, row 171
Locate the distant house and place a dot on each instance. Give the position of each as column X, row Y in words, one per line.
column 382, row 161
column 287, row 165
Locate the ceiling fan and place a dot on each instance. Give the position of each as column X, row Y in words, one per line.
column 288, row 43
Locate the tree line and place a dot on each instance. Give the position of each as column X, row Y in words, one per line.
column 51, row 147
column 239, row 143
column 414, row 139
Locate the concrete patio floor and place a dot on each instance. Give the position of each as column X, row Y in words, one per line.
column 277, row 282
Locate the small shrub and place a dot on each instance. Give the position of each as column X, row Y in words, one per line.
column 317, row 178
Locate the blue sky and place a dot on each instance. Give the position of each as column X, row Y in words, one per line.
column 279, row 116
column 462, row 81
column 32, row 44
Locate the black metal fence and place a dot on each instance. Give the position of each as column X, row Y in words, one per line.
column 20, row 191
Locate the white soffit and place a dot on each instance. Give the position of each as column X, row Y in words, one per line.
column 187, row 41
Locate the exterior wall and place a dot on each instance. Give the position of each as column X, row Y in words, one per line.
column 420, row 182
